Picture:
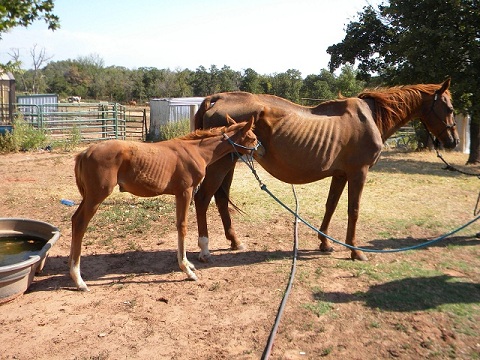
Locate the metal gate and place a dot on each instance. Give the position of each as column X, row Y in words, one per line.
column 90, row 122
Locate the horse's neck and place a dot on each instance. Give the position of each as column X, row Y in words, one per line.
column 407, row 113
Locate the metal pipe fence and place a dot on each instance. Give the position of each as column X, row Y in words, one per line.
column 89, row 122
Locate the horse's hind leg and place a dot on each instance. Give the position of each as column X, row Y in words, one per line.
column 80, row 220
column 336, row 189
column 355, row 189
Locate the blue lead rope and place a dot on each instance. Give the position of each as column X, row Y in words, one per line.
column 249, row 163
column 264, row 188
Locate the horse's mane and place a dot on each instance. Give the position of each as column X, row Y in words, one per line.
column 394, row 103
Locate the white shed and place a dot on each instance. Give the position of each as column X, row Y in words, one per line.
column 163, row 111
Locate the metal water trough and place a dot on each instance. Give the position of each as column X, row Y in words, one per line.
column 16, row 278
column 5, row 128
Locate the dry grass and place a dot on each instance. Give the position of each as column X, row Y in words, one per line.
column 404, row 191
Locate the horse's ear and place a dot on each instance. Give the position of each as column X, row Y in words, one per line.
column 445, row 86
column 230, row 121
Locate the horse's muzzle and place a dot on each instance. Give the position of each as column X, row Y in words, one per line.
column 450, row 144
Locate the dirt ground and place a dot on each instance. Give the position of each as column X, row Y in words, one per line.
column 140, row 306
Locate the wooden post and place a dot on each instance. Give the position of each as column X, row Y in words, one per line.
column 193, row 111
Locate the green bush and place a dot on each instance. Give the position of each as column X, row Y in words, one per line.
column 24, row 137
column 174, row 129
column 73, row 139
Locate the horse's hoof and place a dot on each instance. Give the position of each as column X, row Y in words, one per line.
column 204, row 258
column 83, row 288
column 360, row 257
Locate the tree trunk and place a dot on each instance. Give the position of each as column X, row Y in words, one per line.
column 474, row 157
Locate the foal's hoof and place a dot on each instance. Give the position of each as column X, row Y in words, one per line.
column 238, row 247
column 192, row 277
column 83, row 288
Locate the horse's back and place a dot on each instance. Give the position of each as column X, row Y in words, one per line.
column 303, row 144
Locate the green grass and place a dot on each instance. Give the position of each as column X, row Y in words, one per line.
column 122, row 216
column 318, row 307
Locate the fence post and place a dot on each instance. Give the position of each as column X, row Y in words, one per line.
column 144, row 125
column 193, row 111
column 115, row 116
column 104, row 122
column 40, row 116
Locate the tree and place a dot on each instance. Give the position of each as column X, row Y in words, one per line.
column 39, row 59
column 55, row 77
column 15, row 13
column 251, row 82
column 288, row 85
column 24, row 12
column 229, row 80
column 411, row 41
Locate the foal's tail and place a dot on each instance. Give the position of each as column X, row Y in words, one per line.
column 202, row 109
column 78, row 173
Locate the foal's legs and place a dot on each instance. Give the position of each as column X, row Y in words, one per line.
column 211, row 184
column 182, row 203
column 336, row 188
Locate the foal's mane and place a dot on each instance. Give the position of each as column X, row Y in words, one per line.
column 206, row 133
column 202, row 134
column 396, row 103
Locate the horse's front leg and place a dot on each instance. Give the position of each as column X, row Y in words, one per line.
column 336, row 189
column 222, row 199
column 214, row 177
column 182, row 203
column 355, row 189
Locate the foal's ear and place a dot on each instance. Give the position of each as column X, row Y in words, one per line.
column 230, row 121
column 249, row 125
column 445, row 86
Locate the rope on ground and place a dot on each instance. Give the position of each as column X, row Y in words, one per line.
column 271, row 338
column 249, row 162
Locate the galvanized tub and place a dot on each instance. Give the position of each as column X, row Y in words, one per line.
column 5, row 128
column 16, row 278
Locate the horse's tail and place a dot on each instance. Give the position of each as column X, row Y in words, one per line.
column 202, row 109
column 78, row 173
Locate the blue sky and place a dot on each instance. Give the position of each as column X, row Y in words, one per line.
column 269, row 36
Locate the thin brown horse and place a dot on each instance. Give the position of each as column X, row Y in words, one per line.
column 173, row 167
column 341, row 139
